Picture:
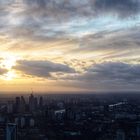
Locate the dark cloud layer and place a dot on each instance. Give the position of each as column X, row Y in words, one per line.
column 2, row 71
column 108, row 76
column 42, row 68
column 114, row 71
column 40, row 18
column 40, row 11
column 122, row 8
column 117, row 44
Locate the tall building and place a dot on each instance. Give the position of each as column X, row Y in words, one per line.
column 138, row 129
column 10, row 107
column 32, row 122
column 35, row 102
column 120, row 135
column 22, row 122
column 17, row 105
column 11, row 131
column 31, row 103
column 41, row 102
column 22, row 104
column 2, row 131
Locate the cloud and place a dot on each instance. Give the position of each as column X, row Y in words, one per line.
column 107, row 76
column 66, row 9
column 58, row 10
column 114, row 71
column 55, row 19
column 122, row 8
column 2, row 71
column 115, row 45
column 42, row 68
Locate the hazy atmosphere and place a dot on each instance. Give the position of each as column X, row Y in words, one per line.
column 69, row 45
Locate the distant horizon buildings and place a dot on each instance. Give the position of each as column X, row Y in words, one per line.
column 24, row 105
column 21, row 105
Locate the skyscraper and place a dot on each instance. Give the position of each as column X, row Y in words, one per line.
column 10, row 107
column 2, row 131
column 22, row 104
column 31, row 103
column 17, row 105
column 120, row 135
column 41, row 102
column 35, row 102
column 11, row 131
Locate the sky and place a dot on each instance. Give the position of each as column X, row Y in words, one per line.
column 69, row 45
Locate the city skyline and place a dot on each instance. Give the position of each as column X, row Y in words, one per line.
column 74, row 46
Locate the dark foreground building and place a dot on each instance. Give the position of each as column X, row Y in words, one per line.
column 8, row 131
column 2, row 131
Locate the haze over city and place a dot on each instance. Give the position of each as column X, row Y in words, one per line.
column 76, row 45
column 69, row 69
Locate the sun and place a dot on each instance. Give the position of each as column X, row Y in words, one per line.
column 7, row 63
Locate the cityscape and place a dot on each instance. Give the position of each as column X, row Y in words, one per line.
column 70, row 117
column 69, row 69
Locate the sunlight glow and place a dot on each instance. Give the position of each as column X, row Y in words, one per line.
column 9, row 62
column 9, row 76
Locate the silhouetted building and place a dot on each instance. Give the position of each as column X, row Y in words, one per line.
column 35, row 103
column 32, row 122
column 11, row 131
column 138, row 130
column 17, row 104
column 10, row 107
column 31, row 103
column 41, row 102
column 120, row 135
column 2, row 131
column 22, row 122
column 22, row 105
